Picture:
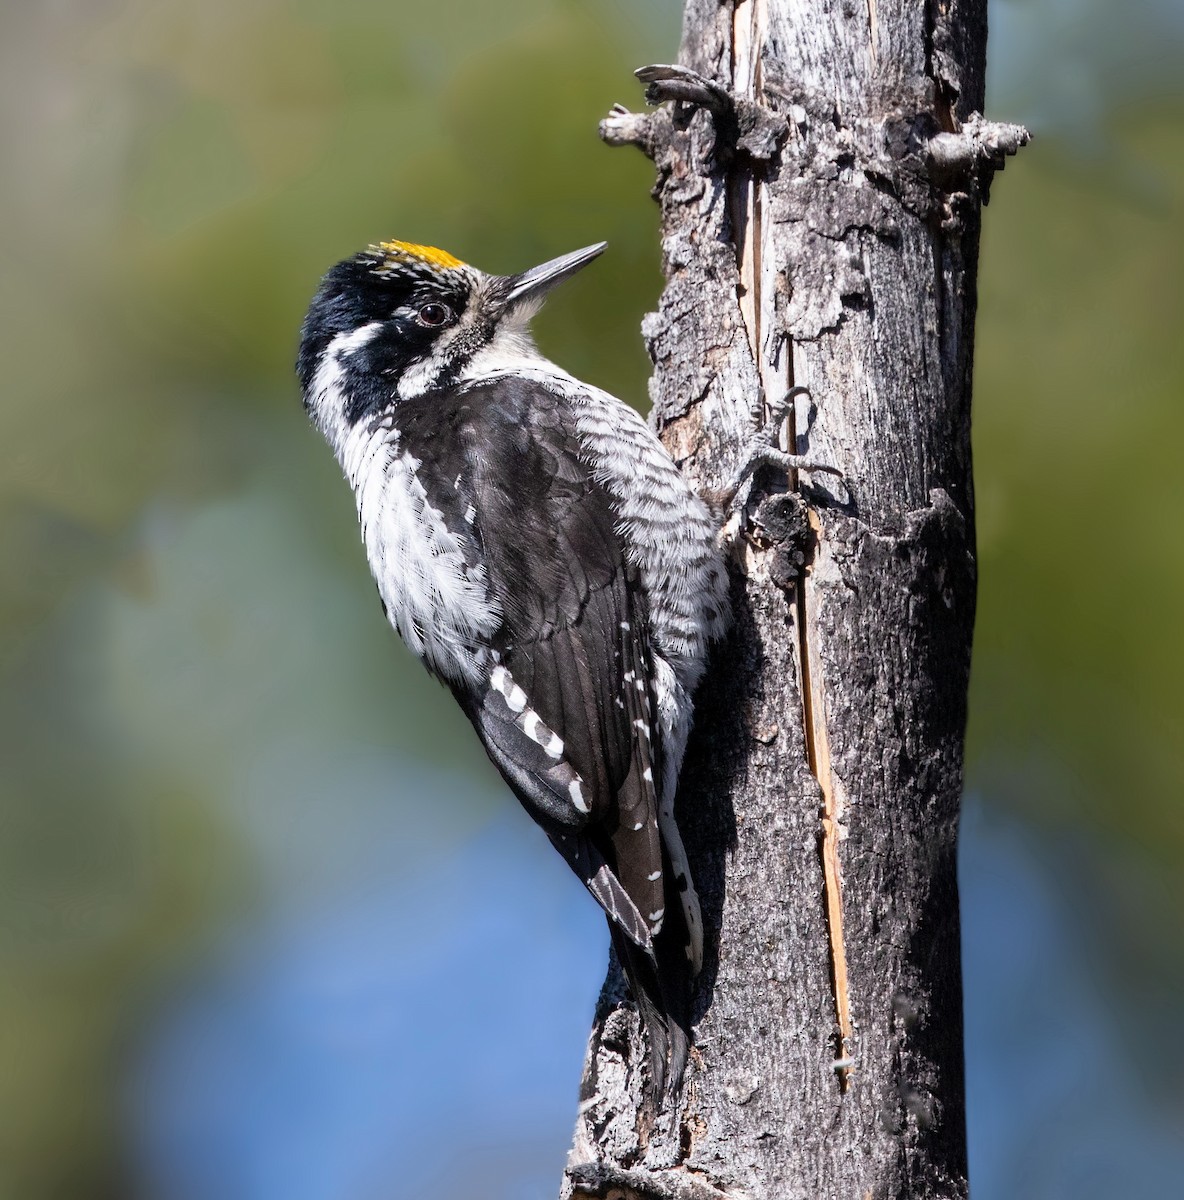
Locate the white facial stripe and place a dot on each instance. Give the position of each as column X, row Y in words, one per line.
column 326, row 402
column 345, row 344
column 327, row 399
column 418, row 378
column 452, row 343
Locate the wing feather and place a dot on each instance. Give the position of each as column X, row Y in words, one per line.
column 566, row 710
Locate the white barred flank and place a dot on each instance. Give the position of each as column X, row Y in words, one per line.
column 440, row 606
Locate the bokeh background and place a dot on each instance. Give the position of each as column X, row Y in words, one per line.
column 269, row 925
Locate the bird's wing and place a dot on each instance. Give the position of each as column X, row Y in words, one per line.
column 565, row 711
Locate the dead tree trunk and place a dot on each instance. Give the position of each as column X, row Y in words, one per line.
column 820, row 171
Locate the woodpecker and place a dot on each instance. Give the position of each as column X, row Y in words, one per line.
column 537, row 548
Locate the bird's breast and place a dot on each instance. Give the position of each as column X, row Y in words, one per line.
column 433, row 586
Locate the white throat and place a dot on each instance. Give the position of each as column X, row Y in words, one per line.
column 512, row 348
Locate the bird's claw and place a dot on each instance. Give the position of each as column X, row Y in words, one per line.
column 761, row 454
column 763, row 450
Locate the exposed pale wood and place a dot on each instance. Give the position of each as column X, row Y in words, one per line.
column 820, row 170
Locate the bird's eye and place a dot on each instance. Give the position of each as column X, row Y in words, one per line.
column 434, row 314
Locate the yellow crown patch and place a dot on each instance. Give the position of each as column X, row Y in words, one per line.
column 426, row 254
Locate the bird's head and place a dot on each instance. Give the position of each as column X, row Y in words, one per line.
column 399, row 320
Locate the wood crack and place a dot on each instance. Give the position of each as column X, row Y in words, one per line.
column 749, row 204
column 818, row 756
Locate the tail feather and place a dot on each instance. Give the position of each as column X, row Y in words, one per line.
column 590, row 865
column 657, row 965
column 642, row 977
column 661, row 989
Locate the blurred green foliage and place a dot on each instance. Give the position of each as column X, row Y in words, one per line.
column 188, row 641
column 1078, row 420
column 1077, row 707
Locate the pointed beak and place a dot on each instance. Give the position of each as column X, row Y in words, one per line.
column 538, row 281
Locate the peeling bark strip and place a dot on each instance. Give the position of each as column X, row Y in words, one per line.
column 756, row 253
column 820, row 172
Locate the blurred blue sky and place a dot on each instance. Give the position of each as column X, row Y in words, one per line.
column 427, row 1025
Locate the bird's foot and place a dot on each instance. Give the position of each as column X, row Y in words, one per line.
column 763, row 450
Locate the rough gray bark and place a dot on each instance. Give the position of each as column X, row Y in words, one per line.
column 820, row 171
